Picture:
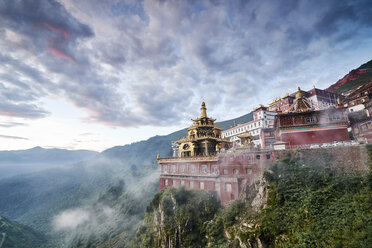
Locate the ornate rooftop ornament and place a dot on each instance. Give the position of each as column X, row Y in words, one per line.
column 301, row 104
column 203, row 138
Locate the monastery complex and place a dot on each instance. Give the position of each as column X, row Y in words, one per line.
column 209, row 158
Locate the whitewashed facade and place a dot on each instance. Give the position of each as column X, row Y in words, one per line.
column 262, row 118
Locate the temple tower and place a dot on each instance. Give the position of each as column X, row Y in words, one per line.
column 203, row 138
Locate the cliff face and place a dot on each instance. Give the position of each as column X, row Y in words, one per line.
column 176, row 218
column 292, row 205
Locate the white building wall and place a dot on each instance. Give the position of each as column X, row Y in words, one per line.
column 265, row 119
column 356, row 108
column 320, row 104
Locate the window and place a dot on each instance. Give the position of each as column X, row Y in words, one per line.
column 228, row 187
column 193, row 168
column 201, row 185
column 165, row 169
column 214, row 169
column 258, row 157
column 225, row 171
column 182, row 183
column 364, row 128
column 166, row 182
column 231, row 158
column 183, row 167
column 248, row 171
column 191, row 184
column 310, row 120
column 204, row 168
column 217, row 186
column 267, row 156
column 356, row 130
column 236, row 172
column 173, row 168
column 336, row 117
column 174, row 182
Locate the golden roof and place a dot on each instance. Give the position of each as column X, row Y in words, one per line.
column 246, row 134
column 300, row 93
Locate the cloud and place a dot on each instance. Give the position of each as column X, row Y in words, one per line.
column 12, row 137
column 12, row 124
column 135, row 63
column 70, row 219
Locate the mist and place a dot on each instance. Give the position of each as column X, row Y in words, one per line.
column 115, row 213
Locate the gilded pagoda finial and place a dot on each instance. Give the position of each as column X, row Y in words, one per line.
column 299, row 93
column 203, row 111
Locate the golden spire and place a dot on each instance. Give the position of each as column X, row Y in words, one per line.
column 203, row 111
column 299, row 93
column 338, row 101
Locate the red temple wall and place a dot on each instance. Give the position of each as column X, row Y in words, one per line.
column 235, row 169
column 315, row 137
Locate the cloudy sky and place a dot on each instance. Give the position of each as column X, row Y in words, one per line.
column 92, row 74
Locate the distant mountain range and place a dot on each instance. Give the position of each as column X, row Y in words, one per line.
column 35, row 159
column 355, row 78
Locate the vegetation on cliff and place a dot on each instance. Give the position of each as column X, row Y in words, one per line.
column 176, row 218
column 307, row 206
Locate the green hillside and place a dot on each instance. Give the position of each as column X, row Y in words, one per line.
column 307, row 206
column 367, row 65
column 15, row 235
column 353, row 79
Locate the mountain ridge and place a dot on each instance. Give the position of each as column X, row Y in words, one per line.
column 355, row 78
column 15, row 162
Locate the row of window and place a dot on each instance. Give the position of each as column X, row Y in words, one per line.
column 244, row 157
column 192, row 169
column 244, row 128
column 195, row 185
column 204, row 169
column 363, row 128
column 312, row 119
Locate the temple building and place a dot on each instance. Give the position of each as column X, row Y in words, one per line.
column 302, row 125
column 203, row 137
column 204, row 163
column 359, row 106
column 319, row 100
column 262, row 119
